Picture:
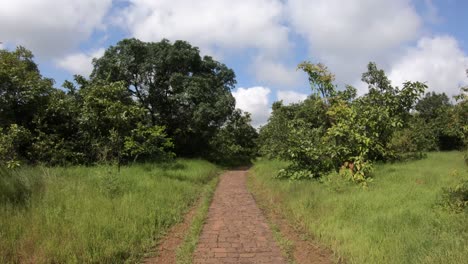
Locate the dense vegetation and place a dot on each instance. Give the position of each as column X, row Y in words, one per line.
column 401, row 218
column 143, row 105
column 95, row 214
column 143, row 102
column 146, row 103
column 334, row 130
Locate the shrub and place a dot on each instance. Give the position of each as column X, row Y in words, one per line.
column 17, row 185
column 404, row 145
column 455, row 198
column 12, row 143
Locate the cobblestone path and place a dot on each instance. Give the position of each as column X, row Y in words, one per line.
column 235, row 230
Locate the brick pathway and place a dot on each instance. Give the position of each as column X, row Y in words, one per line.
column 235, row 230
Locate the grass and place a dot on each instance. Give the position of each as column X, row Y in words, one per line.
column 94, row 214
column 185, row 251
column 395, row 220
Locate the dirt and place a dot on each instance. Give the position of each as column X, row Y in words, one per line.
column 166, row 250
column 304, row 249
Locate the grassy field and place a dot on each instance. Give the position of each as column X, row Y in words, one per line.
column 395, row 220
column 94, row 214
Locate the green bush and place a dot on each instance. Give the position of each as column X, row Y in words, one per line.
column 404, row 145
column 17, row 185
column 13, row 142
column 456, row 198
column 235, row 142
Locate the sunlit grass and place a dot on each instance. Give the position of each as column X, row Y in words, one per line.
column 395, row 220
column 95, row 214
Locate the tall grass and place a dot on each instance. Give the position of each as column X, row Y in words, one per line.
column 395, row 220
column 94, row 214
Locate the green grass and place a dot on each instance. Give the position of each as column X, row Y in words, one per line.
column 185, row 251
column 94, row 214
column 395, row 220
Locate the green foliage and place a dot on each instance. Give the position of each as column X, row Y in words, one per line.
column 23, row 91
column 357, row 171
column 12, row 143
column 432, row 105
column 347, row 130
column 320, row 79
column 404, row 145
column 235, row 142
column 455, row 198
column 306, row 152
column 144, row 101
column 281, row 131
column 187, row 94
column 441, row 122
column 148, row 143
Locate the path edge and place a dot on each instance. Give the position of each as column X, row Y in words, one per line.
column 184, row 253
column 287, row 236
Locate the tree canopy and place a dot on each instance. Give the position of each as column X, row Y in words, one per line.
column 189, row 95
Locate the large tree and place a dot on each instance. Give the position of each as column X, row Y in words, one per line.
column 189, row 95
column 23, row 90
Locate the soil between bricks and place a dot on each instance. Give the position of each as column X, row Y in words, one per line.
column 235, row 230
column 166, row 250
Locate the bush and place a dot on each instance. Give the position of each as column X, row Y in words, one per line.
column 455, row 198
column 17, row 186
column 13, row 142
column 404, row 145
column 235, row 143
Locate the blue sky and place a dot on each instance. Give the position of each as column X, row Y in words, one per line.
column 262, row 40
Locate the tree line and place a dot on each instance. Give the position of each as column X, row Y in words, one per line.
column 144, row 101
column 337, row 131
column 153, row 101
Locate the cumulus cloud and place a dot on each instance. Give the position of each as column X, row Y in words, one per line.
column 50, row 27
column 347, row 34
column 209, row 24
column 289, row 97
column 80, row 63
column 276, row 74
column 438, row 61
column 255, row 101
column 219, row 27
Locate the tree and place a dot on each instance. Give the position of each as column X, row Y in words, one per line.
column 108, row 113
column 23, row 90
column 320, row 79
column 334, row 130
column 432, row 105
column 275, row 135
column 180, row 90
column 235, row 142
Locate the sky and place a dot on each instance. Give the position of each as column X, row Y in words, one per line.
column 262, row 40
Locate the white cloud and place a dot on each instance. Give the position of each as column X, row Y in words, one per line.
column 50, row 27
column 80, row 63
column 255, row 101
column 290, row 97
column 274, row 73
column 346, row 35
column 209, row 24
column 439, row 61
